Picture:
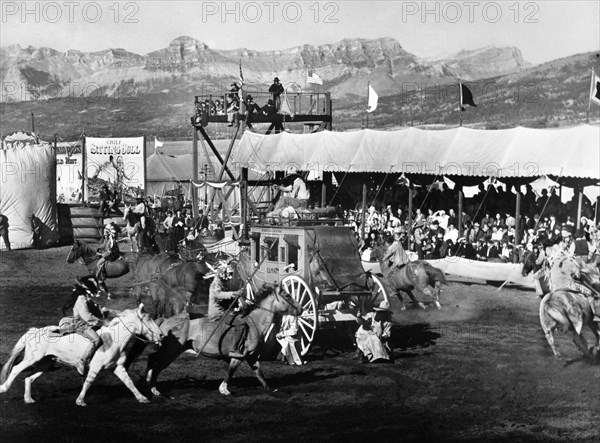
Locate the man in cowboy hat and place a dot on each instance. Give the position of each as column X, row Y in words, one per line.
column 88, row 318
column 298, row 194
column 276, row 89
column 374, row 333
column 220, row 299
column 251, row 109
column 396, row 252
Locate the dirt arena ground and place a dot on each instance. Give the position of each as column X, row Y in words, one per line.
column 478, row 370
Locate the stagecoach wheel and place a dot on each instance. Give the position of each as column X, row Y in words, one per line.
column 378, row 294
column 307, row 322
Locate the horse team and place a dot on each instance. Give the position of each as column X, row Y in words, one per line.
column 174, row 283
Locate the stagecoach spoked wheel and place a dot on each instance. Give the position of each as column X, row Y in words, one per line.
column 378, row 294
column 307, row 322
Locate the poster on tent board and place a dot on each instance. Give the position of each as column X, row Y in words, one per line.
column 69, row 173
column 117, row 163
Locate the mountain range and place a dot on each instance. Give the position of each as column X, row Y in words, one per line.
column 116, row 91
column 44, row 73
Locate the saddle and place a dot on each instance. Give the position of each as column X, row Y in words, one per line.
column 223, row 336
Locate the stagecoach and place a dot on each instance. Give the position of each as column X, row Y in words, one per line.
column 318, row 263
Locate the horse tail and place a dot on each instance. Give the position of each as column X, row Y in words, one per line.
column 434, row 273
column 551, row 313
column 19, row 347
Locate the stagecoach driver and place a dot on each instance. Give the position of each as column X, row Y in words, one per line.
column 297, row 192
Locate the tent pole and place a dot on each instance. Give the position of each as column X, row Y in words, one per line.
column 518, row 216
column 195, row 172
column 364, row 212
column 579, row 206
column 460, row 212
column 410, row 215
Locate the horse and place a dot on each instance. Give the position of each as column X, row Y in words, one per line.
column 569, row 310
column 133, row 227
column 217, row 339
column 168, row 279
column 43, row 346
column 89, row 257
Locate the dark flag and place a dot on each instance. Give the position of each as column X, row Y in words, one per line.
column 594, row 89
column 466, row 97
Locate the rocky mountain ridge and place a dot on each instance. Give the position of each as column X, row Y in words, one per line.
column 43, row 73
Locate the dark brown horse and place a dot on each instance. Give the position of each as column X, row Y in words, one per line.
column 89, row 258
column 218, row 339
column 417, row 276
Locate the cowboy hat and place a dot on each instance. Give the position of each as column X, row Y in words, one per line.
column 276, row 79
column 292, row 170
column 384, row 306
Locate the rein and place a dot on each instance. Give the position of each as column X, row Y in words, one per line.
column 133, row 333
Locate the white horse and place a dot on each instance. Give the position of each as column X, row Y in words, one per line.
column 133, row 227
column 39, row 343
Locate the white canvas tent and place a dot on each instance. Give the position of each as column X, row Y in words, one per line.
column 28, row 187
column 519, row 152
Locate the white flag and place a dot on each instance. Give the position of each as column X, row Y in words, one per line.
column 313, row 77
column 157, row 144
column 284, row 109
column 372, row 100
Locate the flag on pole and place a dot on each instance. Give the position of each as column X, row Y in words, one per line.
column 157, row 144
column 466, row 97
column 372, row 100
column 594, row 89
column 241, row 75
column 313, row 77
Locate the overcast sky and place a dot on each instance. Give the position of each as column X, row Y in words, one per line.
column 543, row 30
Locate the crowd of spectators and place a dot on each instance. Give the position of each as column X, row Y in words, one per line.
column 488, row 225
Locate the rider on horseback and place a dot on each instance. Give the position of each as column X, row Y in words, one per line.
column 109, row 251
column 396, row 252
column 220, row 299
column 88, row 317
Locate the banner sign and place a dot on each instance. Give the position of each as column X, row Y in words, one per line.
column 69, row 173
column 116, row 164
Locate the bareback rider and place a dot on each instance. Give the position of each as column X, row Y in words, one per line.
column 88, row 317
column 109, row 251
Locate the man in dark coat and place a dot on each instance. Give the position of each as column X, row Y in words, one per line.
column 276, row 89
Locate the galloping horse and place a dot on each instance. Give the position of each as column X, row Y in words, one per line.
column 81, row 250
column 569, row 310
column 417, row 275
column 216, row 339
column 133, row 227
column 40, row 343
